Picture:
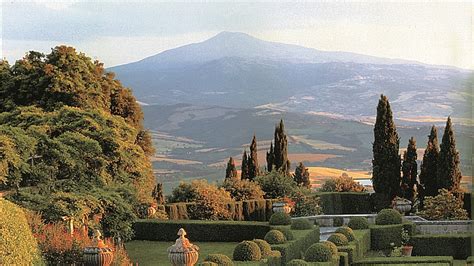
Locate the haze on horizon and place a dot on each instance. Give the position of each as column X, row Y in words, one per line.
column 117, row 32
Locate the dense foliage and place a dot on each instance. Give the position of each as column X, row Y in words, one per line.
column 265, row 248
column 275, row 237
column 429, row 165
column 280, row 218
column 301, row 224
column 358, row 223
column 338, row 239
column 344, row 183
column 247, row 251
column 444, row 206
column 276, row 184
column 388, row 216
column 243, row 189
column 301, row 176
column 318, row 253
column 277, row 157
column 305, row 205
column 331, row 247
column 231, row 171
column 448, row 172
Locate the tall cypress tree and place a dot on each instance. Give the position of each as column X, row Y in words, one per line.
column 429, row 166
column 301, row 176
column 386, row 161
column 280, row 150
column 157, row 194
column 449, row 175
column 230, row 171
column 409, row 170
column 270, row 158
column 253, row 166
column 244, row 169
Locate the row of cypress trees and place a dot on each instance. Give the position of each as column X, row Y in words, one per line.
column 439, row 168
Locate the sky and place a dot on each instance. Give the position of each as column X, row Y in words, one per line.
column 119, row 32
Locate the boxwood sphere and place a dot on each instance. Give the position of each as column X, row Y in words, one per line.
column 247, row 251
column 318, row 253
column 219, row 259
column 338, row 239
column 388, row 216
column 207, row 263
column 347, row 231
column 286, row 232
column 275, row 237
column 301, row 224
column 280, row 218
column 297, row 262
column 331, row 246
column 358, row 223
column 265, row 248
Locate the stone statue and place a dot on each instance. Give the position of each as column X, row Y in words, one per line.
column 183, row 253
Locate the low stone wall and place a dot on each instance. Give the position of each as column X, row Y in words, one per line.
column 326, row 220
column 444, row 227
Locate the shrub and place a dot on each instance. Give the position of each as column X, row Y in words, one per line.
column 382, row 235
column 358, row 223
column 344, row 183
column 318, row 253
column 274, row 259
column 301, row 224
column 159, row 215
column 444, row 206
column 275, row 237
column 331, row 247
column 219, row 259
column 276, row 185
column 243, row 189
column 306, row 205
column 265, row 248
column 292, row 249
column 185, row 192
column 297, row 262
column 338, row 239
column 457, row 245
column 211, row 202
column 347, row 231
column 280, row 218
column 337, row 221
column 207, row 263
column 388, row 216
column 17, row 243
column 286, row 231
column 247, row 251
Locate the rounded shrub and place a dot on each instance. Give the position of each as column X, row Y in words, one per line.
column 301, row 224
column 338, row 239
column 331, row 246
column 207, row 263
column 318, row 253
column 347, row 231
column 280, row 218
column 358, row 223
column 219, row 259
column 247, row 251
column 265, row 248
column 337, row 221
column 275, row 237
column 17, row 244
column 286, row 231
column 297, row 262
column 388, row 216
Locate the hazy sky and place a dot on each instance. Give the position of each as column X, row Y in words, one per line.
column 118, row 32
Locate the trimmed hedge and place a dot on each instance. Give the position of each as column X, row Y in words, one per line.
column 286, row 231
column 292, row 249
column 297, row 262
column 418, row 260
column 301, row 224
column 343, row 259
column 456, row 245
column 275, row 237
column 410, row 227
column 318, row 252
column 203, row 231
column 280, row 218
column 347, row 231
column 345, row 202
column 338, row 239
column 382, row 235
column 247, row 251
column 265, row 248
column 219, row 259
column 388, row 216
column 358, row 247
column 351, row 250
column 274, row 259
column 358, row 223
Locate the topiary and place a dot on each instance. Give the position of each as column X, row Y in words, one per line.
column 286, row 231
column 297, row 262
column 17, row 244
column 275, row 237
column 280, row 218
column 388, row 216
column 331, row 246
column 301, row 224
column 338, row 239
column 358, row 223
column 347, row 231
column 219, row 259
column 318, row 252
column 265, row 248
column 207, row 263
column 247, row 251
column 337, row 221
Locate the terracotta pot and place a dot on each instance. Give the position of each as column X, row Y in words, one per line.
column 95, row 256
column 406, row 251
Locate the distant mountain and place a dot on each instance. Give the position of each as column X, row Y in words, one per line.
column 240, row 71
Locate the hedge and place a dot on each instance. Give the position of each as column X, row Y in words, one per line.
column 421, row 260
column 382, row 235
column 343, row 259
column 345, row 202
column 357, row 248
column 456, row 245
column 292, row 249
column 204, row 231
column 410, row 227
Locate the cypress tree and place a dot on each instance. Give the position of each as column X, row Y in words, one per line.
column 157, row 194
column 386, row 161
column 244, row 169
column 301, row 176
column 230, row 171
column 409, row 169
column 449, row 175
column 253, row 166
column 270, row 158
column 280, row 150
column 429, row 166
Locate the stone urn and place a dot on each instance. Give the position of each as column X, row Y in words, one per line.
column 401, row 205
column 183, row 253
column 98, row 254
column 281, row 207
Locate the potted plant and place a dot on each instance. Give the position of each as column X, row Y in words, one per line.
column 406, row 247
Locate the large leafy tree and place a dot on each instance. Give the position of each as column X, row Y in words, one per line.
column 448, row 172
column 409, row 170
column 429, row 165
column 254, row 168
column 386, row 160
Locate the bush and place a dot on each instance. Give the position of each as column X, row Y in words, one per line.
column 306, row 205
column 444, row 206
column 337, row 221
column 301, row 224
column 243, row 189
column 457, row 245
column 318, row 253
column 247, row 251
column 207, row 263
column 211, row 202
column 219, row 259
column 338, row 239
column 358, row 223
column 297, row 262
column 276, row 185
column 347, row 231
column 17, row 243
column 205, row 231
column 331, row 247
column 344, row 183
column 275, row 237
column 286, row 231
column 280, row 218
column 388, row 216
column 292, row 249
column 274, row 259
column 265, row 248
column 382, row 235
